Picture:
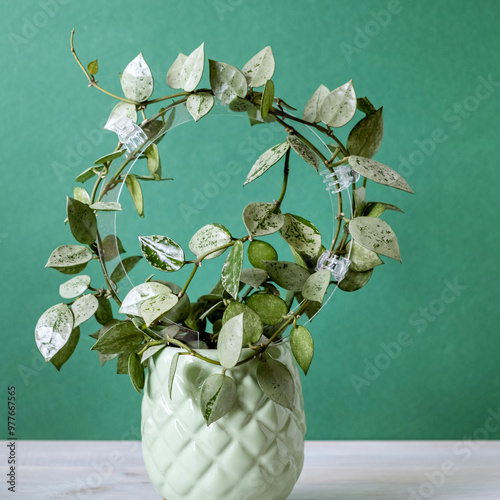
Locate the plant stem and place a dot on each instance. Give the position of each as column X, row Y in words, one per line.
column 104, row 270
column 286, row 171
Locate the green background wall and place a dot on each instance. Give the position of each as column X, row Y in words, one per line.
column 424, row 63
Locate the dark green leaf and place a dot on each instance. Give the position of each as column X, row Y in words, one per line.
column 218, row 395
column 111, row 247
column 69, row 259
column 136, row 192
column 267, row 99
column 354, row 281
column 88, row 174
column 360, row 200
column 136, row 371
column 259, row 251
column 287, row 275
column 104, row 358
column 365, row 106
column 122, row 363
column 366, row 136
column 82, row 221
column 231, row 271
column 302, row 345
column 230, row 341
column 241, row 105
column 378, row 172
column 277, row 382
column 122, row 337
column 104, row 313
column 67, row 350
column 124, row 267
column 269, row 307
column 377, row 208
column 162, row 252
column 109, row 157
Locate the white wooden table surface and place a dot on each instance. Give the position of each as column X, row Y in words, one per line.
column 334, row 470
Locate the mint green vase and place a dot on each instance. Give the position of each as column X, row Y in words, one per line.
column 255, row 452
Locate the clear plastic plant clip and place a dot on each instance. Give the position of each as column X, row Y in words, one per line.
column 345, row 176
column 337, row 265
column 129, row 134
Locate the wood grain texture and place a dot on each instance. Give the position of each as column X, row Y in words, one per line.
column 334, row 470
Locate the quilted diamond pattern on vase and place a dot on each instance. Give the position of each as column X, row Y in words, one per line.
column 255, row 452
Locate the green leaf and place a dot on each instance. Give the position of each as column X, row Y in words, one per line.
column 208, row 238
column 287, row 275
column 74, row 287
column 253, row 277
column 277, row 382
column 115, row 154
column 162, row 252
column 231, row 271
column 262, row 218
column 252, row 324
column 304, row 151
column 192, row 69
column 104, row 358
column 316, row 285
column 81, row 195
column 298, row 258
column 122, row 337
column 107, row 206
column 269, row 307
column 53, row 330
column 87, row 174
column 67, row 350
column 136, row 371
column 230, row 341
column 354, row 281
column 69, row 259
column 194, row 320
column 154, row 308
column 111, row 247
column 376, row 235
column 217, row 397
column 124, row 267
column 240, row 105
column 360, row 199
column 171, row 373
column 153, row 159
column 82, row 221
column 84, row 308
column 175, row 76
column 361, row 258
column 226, row 81
column 302, row 345
column 365, row 106
column 378, row 172
column 339, row 106
column 267, row 101
column 122, row 363
column 135, row 191
column 302, row 235
column 93, row 67
column 119, row 112
column 199, row 105
column 151, row 351
column 259, row 251
column 137, row 80
column 366, row 136
column 260, row 68
column 312, row 110
column 267, row 160
column 377, row 208
column 132, row 302
column 104, row 313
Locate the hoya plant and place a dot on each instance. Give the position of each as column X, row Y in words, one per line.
column 248, row 309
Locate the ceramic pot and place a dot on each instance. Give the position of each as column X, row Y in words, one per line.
column 254, row 452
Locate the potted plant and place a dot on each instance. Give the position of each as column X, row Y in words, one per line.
column 222, row 405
